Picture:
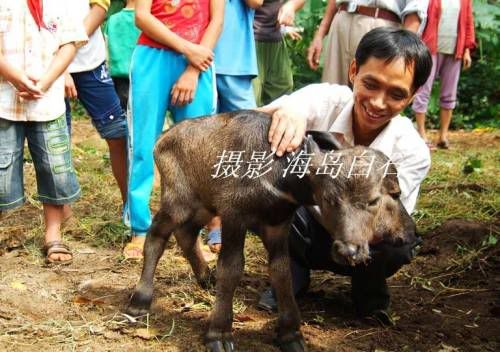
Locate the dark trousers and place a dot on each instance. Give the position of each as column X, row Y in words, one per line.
column 310, row 248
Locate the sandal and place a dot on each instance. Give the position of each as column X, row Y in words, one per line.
column 444, row 144
column 133, row 246
column 214, row 240
column 57, row 247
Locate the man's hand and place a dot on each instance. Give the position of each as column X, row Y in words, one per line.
column 69, row 86
column 184, row 89
column 199, row 56
column 314, row 52
column 287, row 130
column 467, row 60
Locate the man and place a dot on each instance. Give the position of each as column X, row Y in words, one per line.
column 389, row 66
column 346, row 22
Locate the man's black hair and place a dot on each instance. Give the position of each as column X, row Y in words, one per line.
column 393, row 43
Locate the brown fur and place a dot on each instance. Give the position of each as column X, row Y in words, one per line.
column 190, row 197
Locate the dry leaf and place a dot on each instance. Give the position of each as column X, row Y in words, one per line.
column 18, row 285
column 84, row 300
column 146, row 334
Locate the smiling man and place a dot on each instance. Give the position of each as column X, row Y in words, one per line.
column 389, row 66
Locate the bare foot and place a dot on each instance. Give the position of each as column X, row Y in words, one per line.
column 134, row 249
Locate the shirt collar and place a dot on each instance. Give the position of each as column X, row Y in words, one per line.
column 342, row 131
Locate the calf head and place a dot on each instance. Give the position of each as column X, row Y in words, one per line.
column 358, row 199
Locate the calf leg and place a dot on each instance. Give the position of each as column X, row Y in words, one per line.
column 229, row 271
column 158, row 235
column 275, row 240
column 187, row 239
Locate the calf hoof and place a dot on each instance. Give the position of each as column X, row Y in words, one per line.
column 292, row 343
column 139, row 304
column 220, row 346
column 207, row 281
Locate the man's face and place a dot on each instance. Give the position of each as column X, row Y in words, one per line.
column 381, row 91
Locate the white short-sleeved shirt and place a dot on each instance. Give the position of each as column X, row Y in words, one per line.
column 93, row 53
column 31, row 50
column 328, row 107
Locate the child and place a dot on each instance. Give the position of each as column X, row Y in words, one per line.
column 449, row 35
column 121, row 34
column 89, row 79
column 171, row 70
column 235, row 67
column 275, row 68
column 38, row 40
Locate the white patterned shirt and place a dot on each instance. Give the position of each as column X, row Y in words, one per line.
column 32, row 50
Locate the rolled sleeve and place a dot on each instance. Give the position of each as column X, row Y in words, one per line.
column 416, row 6
column 72, row 30
column 413, row 163
column 313, row 102
column 103, row 3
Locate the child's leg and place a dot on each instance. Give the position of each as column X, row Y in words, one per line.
column 234, row 93
column 279, row 77
column 151, row 81
column 449, row 74
column 421, row 100
column 49, row 145
column 12, row 136
column 122, row 87
column 97, row 94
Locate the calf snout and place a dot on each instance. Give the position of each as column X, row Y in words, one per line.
column 350, row 254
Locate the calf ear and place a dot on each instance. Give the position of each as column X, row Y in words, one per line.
column 391, row 182
column 324, row 140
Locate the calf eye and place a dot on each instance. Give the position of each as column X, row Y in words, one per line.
column 395, row 195
column 373, row 202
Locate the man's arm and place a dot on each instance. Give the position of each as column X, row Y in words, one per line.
column 414, row 15
column 198, row 55
column 59, row 64
column 314, row 51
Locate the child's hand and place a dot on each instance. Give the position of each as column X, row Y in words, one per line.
column 286, row 15
column 467, row 60
column 25, row 85
column 199, row 56
column 69, row 86
column 185, row 87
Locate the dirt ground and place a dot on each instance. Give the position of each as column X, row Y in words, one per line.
column 447, row 300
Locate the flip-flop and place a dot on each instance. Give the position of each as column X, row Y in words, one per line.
column 56, row 247
column 214, row 238
column 444, row 144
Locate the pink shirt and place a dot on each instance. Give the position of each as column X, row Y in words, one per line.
column 186, row 18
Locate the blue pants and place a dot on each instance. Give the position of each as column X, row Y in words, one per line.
column 97, row 94
column 153, row 74
column 234, row 93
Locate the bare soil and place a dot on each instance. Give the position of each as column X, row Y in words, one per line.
column 448, row 299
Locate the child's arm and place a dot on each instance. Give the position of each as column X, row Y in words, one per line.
column 184, row 89
column 198, row 55
column 24, row 84
column 59, row 64
column 94, row 18
column 254, row 4
column 286, row 14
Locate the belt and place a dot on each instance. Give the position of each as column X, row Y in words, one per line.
column 375, row 12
